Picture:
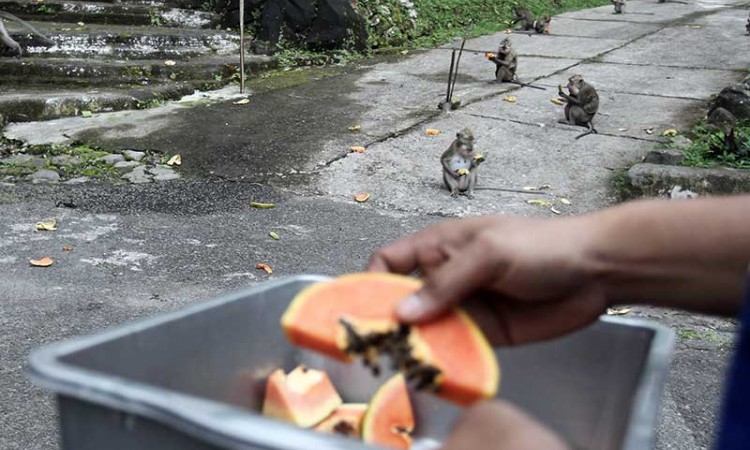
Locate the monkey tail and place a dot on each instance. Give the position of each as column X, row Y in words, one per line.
column 23, row 23
column 520, row 83
column 591, row 130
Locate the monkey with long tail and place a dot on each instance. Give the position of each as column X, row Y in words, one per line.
column 8, row 41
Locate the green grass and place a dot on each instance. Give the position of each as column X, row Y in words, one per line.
column 701, row 335
column 708, row 148
column 391, row 27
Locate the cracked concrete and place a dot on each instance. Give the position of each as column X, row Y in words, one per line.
column 161, row 246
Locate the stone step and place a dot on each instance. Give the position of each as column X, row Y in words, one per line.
column 109, row 13
column 122, row 41
column 90, row 72
column 32, row 104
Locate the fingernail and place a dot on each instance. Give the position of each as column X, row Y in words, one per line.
column 411, row 308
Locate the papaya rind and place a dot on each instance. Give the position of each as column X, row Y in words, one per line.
column 347, row 411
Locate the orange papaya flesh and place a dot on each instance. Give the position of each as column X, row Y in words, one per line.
column 354, row 315
column 303, row 397
column 346, row 420
column 389, row 420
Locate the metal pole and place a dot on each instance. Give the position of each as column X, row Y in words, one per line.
column 242, row 46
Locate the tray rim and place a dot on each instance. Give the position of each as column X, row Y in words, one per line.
column 235, row 428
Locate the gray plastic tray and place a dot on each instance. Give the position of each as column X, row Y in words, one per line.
column 194, row 379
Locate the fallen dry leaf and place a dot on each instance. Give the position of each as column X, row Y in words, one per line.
column 81, row 24
column 42, row 262
column 670, row 132
column 565, row 201
column 622, row 129
column 265, row 267
column 554, row 210
column 244, row 101
column 529, row 188
column 510, row 99
column 262, row 205
column 356, row 149
column 545, row 186
column 617, row 311
column 274, row 235
column 169, row 62
column 431, row 132
column 46, row 225
column 355, row 128
column 557, row 101
column 508, row 31
column 539, row 202
column 176, row 160
column 361, row 198
column 404, row 52
column 68, row 248
column 649, row 130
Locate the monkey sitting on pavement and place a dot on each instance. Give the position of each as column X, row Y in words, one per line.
column 506, row 63
column 619, row 5
column 747, row 26
column 8, row 41
column 460, row 165
column 582, row 104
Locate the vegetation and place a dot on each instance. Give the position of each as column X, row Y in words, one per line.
column 87, row 157
column 395, row 25
column 711, row 147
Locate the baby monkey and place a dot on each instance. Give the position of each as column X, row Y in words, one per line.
column 582, row 104
column 619, row 5
column 460, row 165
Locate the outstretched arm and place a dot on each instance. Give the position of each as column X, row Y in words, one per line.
column 531, row 279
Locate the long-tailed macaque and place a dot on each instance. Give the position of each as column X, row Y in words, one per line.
column 582, row 104
column 619, row 5
column 542, row 25
column 528, row 22
column 524, row 16
column 8, row 41
column 506, row 62
column 460, row 165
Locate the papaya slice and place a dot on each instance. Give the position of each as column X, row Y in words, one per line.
column 346, row 420
column 303, row 397
column 390, row 419
column 354, row 315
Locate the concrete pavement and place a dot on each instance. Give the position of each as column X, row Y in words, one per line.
column 144, row 249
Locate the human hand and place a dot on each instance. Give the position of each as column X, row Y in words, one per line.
column 500, row 425
column 521, row 279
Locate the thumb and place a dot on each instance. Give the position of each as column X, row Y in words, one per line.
column 463, row 274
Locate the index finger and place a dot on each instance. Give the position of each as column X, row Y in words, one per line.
column 403, row 256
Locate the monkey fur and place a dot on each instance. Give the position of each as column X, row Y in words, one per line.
column 506, row 62
column 524, row 16
column 747, row 25
column 619, row 6
column 460, row 165
column 528, row 22
column 8, row 41
column 582, row 104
